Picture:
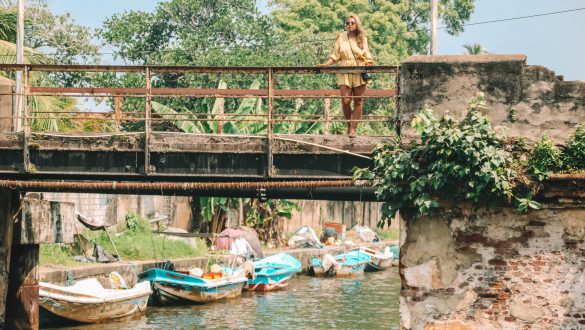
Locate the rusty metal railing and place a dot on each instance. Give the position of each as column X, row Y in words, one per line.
column 146, row 117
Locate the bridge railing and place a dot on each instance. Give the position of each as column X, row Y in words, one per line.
column 281, row 89
column 277, row 97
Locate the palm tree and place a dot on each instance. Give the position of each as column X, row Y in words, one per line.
column 48, row 105
column 474, row 49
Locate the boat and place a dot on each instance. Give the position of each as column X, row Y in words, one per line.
column 273, row 272
column 349, row 264
column 178, row 287
column 380, row 260
column 91, row 224
column 87, row 301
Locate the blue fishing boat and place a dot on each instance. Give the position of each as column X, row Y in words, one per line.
column 176, row 287
column 273, row 272
column 348, row 264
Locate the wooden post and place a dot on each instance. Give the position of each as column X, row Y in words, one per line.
column 10, row 201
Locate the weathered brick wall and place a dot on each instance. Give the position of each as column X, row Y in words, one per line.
column 529, row 100
column 493, row 268
column 114, row 208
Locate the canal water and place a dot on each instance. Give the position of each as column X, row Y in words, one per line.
column 370, row 302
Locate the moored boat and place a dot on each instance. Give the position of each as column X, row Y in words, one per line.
column 380, row 260
column 348, row 264
column 175, row 287
column 273, row 272
column 89, row 302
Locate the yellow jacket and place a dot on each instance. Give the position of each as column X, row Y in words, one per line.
column 342, row 52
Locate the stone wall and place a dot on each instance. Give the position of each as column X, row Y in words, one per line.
column 114, row 208
column 529, row 100
column 313, row 213
column 493, row 268
column 6, row 102
column 316, row 213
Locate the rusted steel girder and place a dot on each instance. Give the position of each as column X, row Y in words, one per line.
column 347, row 190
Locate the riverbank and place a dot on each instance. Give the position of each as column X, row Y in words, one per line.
column 63, row 275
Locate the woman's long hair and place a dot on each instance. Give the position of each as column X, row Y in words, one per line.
column 360, row 33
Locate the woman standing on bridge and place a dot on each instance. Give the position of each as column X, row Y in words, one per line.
column 351, row 49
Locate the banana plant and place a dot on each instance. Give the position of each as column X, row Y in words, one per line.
column 261, row 215
column 43, row 109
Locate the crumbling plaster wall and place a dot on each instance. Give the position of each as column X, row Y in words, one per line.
column 493, row 268
column 530, row 101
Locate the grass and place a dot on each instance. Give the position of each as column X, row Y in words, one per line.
column 135, row 242
column 390, row 234
column 56, row 254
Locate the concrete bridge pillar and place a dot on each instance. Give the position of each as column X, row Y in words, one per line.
column 19, row 288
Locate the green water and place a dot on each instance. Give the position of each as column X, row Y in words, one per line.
column 308, row 303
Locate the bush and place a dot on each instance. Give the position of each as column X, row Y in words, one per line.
column 545, row 159
column 574, row 155
column 56, row 254
column 463, row 160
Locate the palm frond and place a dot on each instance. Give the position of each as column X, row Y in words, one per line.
column 185, row 126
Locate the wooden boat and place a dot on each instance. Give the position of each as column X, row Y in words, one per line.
column 273, row 272
column 91, row 223
column 350, row 264
column 380, row 260
column 89, row 302
column 175, row 287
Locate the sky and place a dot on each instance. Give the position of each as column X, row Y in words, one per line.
column 551, row 41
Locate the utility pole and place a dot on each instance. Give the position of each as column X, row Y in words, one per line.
column 19, row 60
column 434, row 18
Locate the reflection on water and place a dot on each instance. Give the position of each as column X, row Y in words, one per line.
column 308, row 303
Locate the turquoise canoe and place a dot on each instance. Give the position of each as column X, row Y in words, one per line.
column 175, row 287
column 273, row 272
column 347, row 264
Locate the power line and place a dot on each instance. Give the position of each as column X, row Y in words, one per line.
column 523, row 17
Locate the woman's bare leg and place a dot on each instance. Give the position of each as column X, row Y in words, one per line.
column 346, row 104
column 358, row 106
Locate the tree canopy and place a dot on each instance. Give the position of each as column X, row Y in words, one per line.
column 395, row 29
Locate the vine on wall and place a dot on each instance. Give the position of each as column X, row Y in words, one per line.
column 465, row 160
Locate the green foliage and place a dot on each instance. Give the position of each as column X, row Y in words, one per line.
column 266, row 217
column 389, row 234
column 574, row 153
column 545, row 159
column 395, row 29
column 67, row 42
column 190, row 32
column 136, row 224
column 137, row 242
column 477, row 49
column 56, row 254
column 463, row 160
column 210, row 206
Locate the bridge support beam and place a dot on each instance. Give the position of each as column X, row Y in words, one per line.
column 9, row 202
column 22, row 305
column 19, row 288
